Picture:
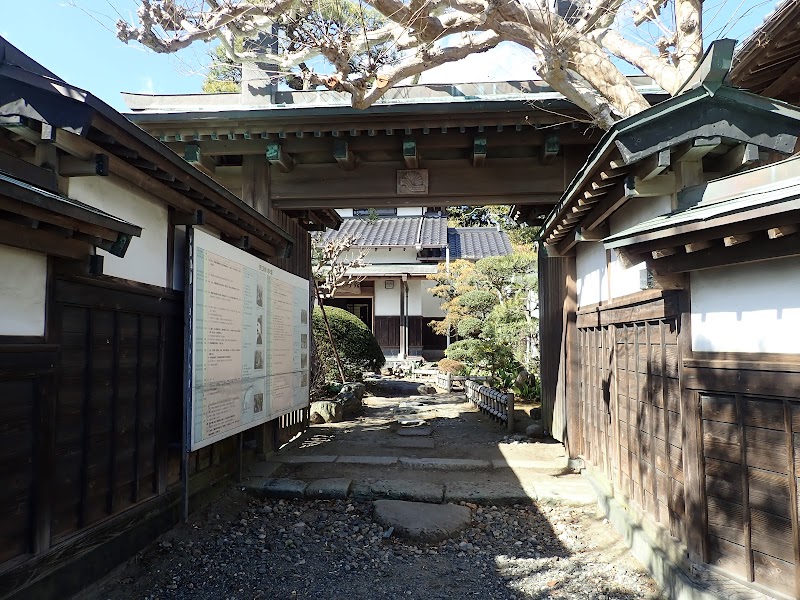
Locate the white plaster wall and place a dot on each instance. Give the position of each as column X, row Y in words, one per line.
column 431, row 305
column 409, row 211
column 592, row 274
column 146, row 259
column 382, row 256
column 23, row 290
column 747, row 308
column 624, row 281
column 415, row 297
column 387, row 302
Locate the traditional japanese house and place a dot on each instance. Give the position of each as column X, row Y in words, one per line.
column 670, row 301
column 390, row 293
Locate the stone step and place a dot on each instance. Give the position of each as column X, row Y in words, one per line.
column 529, row 490
column 408, row 462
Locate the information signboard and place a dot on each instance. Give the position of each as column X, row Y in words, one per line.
column 249, row 340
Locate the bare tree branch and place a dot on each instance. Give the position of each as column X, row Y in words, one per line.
column 365, row 47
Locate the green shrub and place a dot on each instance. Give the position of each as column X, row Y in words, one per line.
column 358, row 349
column 448, row 365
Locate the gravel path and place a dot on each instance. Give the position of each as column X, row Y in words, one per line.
column 241, row 547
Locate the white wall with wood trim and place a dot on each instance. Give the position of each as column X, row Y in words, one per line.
column 387, row 301
column 592, row 273
column 625, row 280
column 23, row 291
column 383, row 256
column 146, row 259
column 431, row 305
column 747, row 308
column 414, row 296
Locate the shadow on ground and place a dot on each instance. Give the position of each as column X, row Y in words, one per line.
column 241, row 546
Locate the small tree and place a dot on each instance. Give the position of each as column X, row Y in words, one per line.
column 484, row 305
column 333, row 261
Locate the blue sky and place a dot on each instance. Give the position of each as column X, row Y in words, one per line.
column 76, row 40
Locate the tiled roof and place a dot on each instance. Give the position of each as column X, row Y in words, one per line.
column 393, row 231
column 477, row 242
column 434, row 231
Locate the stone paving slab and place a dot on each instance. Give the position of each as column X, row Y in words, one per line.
column 334, row 488
column 489, row 493
column 461, row 464
column 421, row 520
column 515, row 463
column 398, row 489
column 283, row 488
column 368, row 460
column 304, row 458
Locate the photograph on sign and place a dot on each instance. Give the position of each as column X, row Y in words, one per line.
column 249, row 341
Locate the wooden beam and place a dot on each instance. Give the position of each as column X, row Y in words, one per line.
column 783, row 230
column 696, row 149
column 594, row 235
column 777, row 87
column 664, row 252
column 732, row 240
column 45, row 242
column 328, row 186
column 410, row 153
column 616, row 197
column 653, row 165
column 479, row 152
column 30, row 173
column 278, row 158
column 23, row 127
column 182, row 218
column 736, row 158
column 715, row 256
column 71, row 166
column 658, row 185
column 343, row 155
column 194, row 155
column 697, row 246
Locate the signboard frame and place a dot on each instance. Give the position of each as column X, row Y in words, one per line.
column 245, row 323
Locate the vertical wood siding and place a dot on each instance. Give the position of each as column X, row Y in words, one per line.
column 556, row 309
column 629, row 406
column 112, row 397
column 750, row 436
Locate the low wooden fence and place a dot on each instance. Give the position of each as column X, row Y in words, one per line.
column 496, row 404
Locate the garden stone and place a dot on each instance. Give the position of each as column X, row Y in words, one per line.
column 356, row 388
column 426, row 389
column 325, row 411
column 350, row 403
column 535, row 430
column 536, row 413
column 421, row 520
column 522, row 378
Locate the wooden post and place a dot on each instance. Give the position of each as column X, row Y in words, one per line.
column 694, row 485
column 510, row 411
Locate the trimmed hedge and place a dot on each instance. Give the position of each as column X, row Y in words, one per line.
column 358, row 348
